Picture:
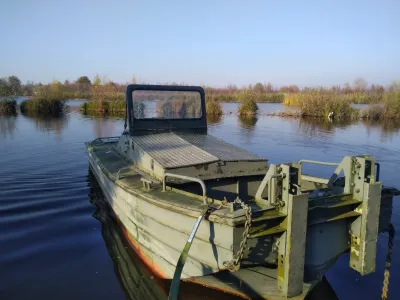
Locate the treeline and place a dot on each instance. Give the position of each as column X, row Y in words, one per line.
column 358, row 92
column 85, row 88
column 82, row 87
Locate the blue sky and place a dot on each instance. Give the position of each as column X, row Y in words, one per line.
column 202, row 42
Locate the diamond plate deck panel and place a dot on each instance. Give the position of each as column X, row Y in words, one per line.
column 218, row 148
column 175, row 150
column 172, row 151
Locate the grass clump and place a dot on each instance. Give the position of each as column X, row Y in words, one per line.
column 43, row 105
column 389, row 108
column 322, row 104
column 373, row 112
column 291, row 99
column 8, row 106
column 248, row 105
column 103, row 106
column 213, row 108
column 271, row 98
column 391, row 105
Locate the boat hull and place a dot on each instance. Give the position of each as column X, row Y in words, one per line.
column 158, row 235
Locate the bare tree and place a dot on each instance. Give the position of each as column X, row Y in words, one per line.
column 360, row 84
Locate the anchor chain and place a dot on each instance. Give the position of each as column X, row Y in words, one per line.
column 385, row 288
column 234, row 265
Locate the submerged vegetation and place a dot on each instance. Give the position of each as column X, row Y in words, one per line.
column 107, row 96
column 320, row 103
column 213, row 108
column 388, row 108
column 317, row 104
column 248, row 105
column 248, row 122
column 8, row 106
column 103, row 106
column 9, row 89
column 42, row 105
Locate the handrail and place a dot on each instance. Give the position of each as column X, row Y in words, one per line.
column 107, row 139
column 315, row 162
column 194, row 179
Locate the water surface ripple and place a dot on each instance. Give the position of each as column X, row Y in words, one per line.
column 58, row 242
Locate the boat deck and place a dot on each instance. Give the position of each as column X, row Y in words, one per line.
column 123, row 173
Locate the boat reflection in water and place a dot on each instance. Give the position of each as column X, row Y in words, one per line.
column 137, row 280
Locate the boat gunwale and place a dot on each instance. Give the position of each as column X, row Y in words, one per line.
column 232, row 221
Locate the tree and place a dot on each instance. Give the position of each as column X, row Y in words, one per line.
column 289, row 89
column 56, row 86
column 83, row 80
column 5, row 89
column 394, row 86
column 268, row 88
column 27, row 88
column 258, row 88
column 360, row 84
column 96, row 80
column 377, row 89
column 15, row 85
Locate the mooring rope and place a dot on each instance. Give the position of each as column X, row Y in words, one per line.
column 385, row 288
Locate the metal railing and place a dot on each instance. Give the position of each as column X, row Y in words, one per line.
column 193, row 179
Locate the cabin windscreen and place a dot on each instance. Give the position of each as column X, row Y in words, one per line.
column 152, row 104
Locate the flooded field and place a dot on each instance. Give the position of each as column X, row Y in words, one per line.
column 58, row 240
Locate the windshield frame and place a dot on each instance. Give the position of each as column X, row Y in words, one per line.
column 140, row 126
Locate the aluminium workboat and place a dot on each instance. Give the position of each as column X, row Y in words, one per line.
column 270, row 231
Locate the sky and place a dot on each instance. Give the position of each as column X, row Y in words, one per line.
column 307, row 43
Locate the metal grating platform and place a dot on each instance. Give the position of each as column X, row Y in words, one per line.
column 172, row 151
column 220, row 149
column 175, row 150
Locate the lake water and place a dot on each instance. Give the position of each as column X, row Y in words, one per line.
column 58, row 242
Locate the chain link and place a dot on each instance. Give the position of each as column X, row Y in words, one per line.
column 234, row 265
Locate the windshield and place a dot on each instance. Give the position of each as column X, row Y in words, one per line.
column 149, row 104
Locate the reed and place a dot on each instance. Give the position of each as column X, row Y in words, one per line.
column 373, row 112
column 103, row 106
column 8, row 106
column 248, row 105
column 322, row 104
column 259, row 97
column 291, row 99
column 271, row 98
column 389, row 108
column 213, row 108
column 391, row 105
column 43, row 105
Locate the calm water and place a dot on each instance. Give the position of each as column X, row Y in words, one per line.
column 58, row 242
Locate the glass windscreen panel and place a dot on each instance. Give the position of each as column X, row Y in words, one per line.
column 148, row 104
